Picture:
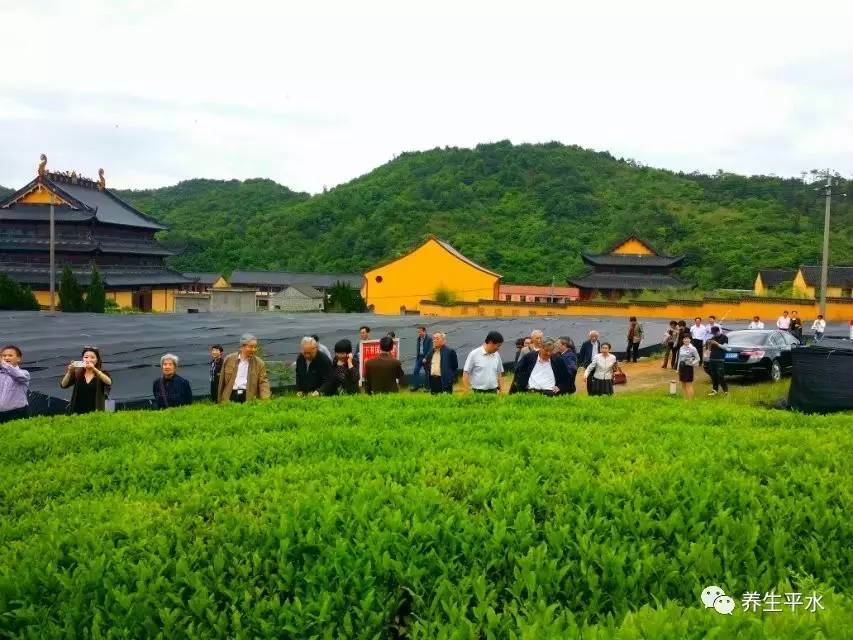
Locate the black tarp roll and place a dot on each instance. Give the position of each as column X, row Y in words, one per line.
column 822, row 378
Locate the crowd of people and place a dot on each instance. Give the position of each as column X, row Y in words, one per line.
column 543, row 365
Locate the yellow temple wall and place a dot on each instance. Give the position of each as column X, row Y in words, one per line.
column 41, row 195
column 801, row 287
column 124, row 299
column 837, row 309
column 162, row 300
column 633, row 247
column 412, row 277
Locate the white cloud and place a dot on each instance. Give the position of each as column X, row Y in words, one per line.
column 314, row 94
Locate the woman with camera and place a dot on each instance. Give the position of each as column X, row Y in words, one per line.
column 90, row 385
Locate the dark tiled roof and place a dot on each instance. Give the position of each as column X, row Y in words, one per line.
column 631, row 260
column 286, row 278
column 626, row 281
column 41, row 212
column 23, row 243
column 775, row 277
column 203, row 278
column 110, row 208
column 835, row 277
column 39, row 275
column 85, row 197
column 308, row 292
column 135, row 248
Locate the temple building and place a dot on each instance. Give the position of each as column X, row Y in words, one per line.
column 628, row 267
column 432, row 271
column 92, row 226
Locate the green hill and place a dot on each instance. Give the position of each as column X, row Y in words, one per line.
column 420, row 517
column 526, row 211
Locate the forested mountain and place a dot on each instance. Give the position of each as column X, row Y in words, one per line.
column 5, row 191
column 526, row 211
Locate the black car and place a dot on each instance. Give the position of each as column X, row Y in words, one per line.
column 758, row 352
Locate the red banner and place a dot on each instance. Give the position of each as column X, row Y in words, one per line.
column 369, row 349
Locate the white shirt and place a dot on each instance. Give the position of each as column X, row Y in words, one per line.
column 542, row 376
column 602, row 366
column 699, row 332
column 819, row 325
column 484, row 369
column 783, row 323
column 242, row 379
column 756, row 325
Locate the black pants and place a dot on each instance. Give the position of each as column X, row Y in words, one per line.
column 14, row 414
column 633, row 350
column 237, row 396
column 718, row 375
column 435, row 385
column 698, row 344
column 671, row 353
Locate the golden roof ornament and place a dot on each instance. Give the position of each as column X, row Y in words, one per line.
column 42, row 171
column 102, row 182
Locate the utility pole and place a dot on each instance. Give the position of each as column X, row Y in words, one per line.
column 824, row 263
column 52, row 260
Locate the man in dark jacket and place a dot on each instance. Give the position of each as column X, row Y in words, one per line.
column 566, row 350
column 590, row 347
column 441, row 365
column 216, row 352
column 313, row 369
column 543, row 372
column 383, row 373
column 424, row 346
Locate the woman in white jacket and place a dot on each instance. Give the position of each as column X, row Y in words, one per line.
column 602, row 367
column 688, row 358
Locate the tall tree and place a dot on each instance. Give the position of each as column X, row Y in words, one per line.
column 70, row 294
column 14, row 297
column 96, row 295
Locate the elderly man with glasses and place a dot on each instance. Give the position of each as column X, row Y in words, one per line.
column 244, row 375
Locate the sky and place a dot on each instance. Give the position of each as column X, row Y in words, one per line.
column 316, row 93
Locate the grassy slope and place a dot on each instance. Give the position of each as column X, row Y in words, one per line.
column 526, row 211
column 432, row 517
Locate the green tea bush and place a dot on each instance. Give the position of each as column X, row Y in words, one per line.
column 420, row 517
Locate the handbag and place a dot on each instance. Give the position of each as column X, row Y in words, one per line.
column 619, row 377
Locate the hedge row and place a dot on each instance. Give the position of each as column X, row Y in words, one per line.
column 458, row 517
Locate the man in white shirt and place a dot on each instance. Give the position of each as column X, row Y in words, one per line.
column 756, row 323
column 819, row 327
column 543, row 372
column 483, row 367
column 698, row 334
column 784, row 322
